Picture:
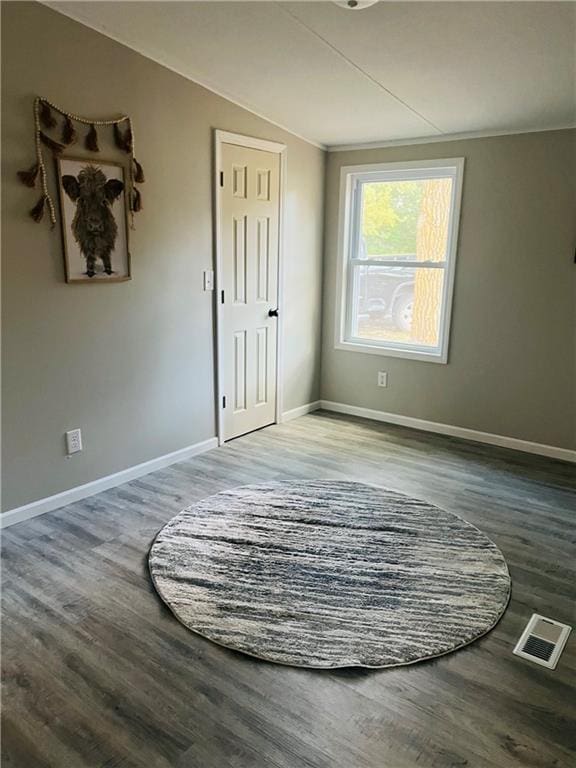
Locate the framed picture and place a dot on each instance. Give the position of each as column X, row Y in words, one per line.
column 94, row 215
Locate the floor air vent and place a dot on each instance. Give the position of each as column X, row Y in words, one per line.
column 543, row 641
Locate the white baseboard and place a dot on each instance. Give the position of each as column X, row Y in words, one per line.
column 302, row 410
column 80, row 492
column 565, row 454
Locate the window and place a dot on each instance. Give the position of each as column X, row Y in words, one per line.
column 398, row 236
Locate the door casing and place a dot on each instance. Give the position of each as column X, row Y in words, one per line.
column 225, row 137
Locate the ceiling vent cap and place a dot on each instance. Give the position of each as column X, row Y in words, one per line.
column 355, row 5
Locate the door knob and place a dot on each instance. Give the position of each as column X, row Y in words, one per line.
column 272, row 313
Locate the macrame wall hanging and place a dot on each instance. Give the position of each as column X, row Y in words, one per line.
column 44, row 120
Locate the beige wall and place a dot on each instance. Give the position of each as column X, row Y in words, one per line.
column 512, row 368
column 131, row 363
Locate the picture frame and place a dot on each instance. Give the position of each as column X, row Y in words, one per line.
column 94, row 218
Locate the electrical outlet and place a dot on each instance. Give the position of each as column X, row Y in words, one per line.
column 382, row 379
column 73, row 441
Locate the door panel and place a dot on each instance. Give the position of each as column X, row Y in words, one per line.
column 263, row 259
column 262, row 383
column 240, row 231
column 249, row 221
column 239, row 385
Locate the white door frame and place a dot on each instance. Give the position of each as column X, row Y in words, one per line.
column 225, row 137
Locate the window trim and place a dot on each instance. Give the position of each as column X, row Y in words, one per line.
column 349, row 175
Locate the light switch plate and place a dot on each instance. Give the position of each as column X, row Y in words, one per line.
column 382, row 379
column 208, row 279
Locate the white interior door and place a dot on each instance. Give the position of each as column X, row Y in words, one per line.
column 249, row 223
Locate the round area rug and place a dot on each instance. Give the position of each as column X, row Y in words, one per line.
column 329, row 574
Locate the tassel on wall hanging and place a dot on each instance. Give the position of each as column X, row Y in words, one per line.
column 46, row 120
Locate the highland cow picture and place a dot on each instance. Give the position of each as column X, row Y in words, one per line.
column 94, row 220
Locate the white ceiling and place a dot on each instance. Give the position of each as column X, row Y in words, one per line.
column 392, row 71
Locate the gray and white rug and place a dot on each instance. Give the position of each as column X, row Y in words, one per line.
column 329, row 574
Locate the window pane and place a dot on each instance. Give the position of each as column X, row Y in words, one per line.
column 405, row 219
column 397, row 304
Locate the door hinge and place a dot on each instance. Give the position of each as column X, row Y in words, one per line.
column 224, row 402
column 221, row 178
column 222, row 297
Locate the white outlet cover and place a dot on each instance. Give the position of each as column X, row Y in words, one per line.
column 382, row 379
column 73, row 441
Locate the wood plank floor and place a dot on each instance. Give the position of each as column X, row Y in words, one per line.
column 97, row 672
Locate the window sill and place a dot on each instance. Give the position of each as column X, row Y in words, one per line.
column 434, row 356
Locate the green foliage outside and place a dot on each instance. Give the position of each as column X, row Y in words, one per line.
column 390, row 217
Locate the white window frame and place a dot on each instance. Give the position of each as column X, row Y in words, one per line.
column 351, row 177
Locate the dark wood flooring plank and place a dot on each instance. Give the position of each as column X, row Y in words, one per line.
column 98, row 673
